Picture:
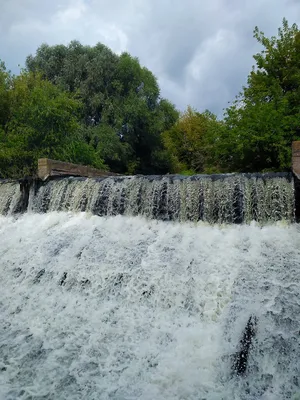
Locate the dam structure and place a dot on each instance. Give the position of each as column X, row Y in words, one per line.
column 150, row 287
column 232, row 198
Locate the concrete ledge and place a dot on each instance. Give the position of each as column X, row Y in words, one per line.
column 47, row 168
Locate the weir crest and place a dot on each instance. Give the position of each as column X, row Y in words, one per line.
column 228, row 198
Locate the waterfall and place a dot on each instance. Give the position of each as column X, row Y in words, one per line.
column 10, row 197
column 165, row 288
column 233, row 198
column 128, row 308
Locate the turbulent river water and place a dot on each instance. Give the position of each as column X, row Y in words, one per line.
column 152, row 288
column 127, row 308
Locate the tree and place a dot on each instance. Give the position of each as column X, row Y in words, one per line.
column 121, row 100
column 108, row 146
column 41, row 121
column 191, row 141
column 87, row 70
column 5, row 82
column 265, row 118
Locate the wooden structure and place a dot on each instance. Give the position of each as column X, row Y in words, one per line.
column 48, row 168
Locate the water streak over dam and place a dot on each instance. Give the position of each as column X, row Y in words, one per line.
column 233, row 198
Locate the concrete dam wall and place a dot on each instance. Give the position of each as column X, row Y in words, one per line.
column 223, row 198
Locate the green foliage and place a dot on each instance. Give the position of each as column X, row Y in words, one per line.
column 188, row 172
column 121, row 103
column 108, row 146
column 42, row 117
column 265, row 118
column 40, row 121
column 191, row 141
column 88, row 105
column 259, row 127
column 5, row 81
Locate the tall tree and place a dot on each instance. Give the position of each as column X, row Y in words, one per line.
column 191, row 141
column 265, row 118
column 121, row 101
column 41, row 121
column 5, row 82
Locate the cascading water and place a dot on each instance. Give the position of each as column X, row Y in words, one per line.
column 10, row 197
column 232, row 198
column 125, row 307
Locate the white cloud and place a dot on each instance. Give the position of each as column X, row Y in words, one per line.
column 199, row 50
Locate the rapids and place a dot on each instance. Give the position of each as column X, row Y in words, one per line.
column 125, row 308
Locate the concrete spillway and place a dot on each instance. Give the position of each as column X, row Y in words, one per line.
column 234, row 198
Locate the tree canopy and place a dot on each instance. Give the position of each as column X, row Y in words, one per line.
column 88, row 105
column 121, row 102
column 265, row 118
column 190, row 142
column 40, row 120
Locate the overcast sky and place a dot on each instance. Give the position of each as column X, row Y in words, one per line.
column 200, row 50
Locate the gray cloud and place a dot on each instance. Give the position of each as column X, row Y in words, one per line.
column 200, row 50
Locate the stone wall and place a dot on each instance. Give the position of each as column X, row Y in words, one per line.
column 47, row 168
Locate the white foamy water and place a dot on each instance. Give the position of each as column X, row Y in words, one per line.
column 124, row 308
